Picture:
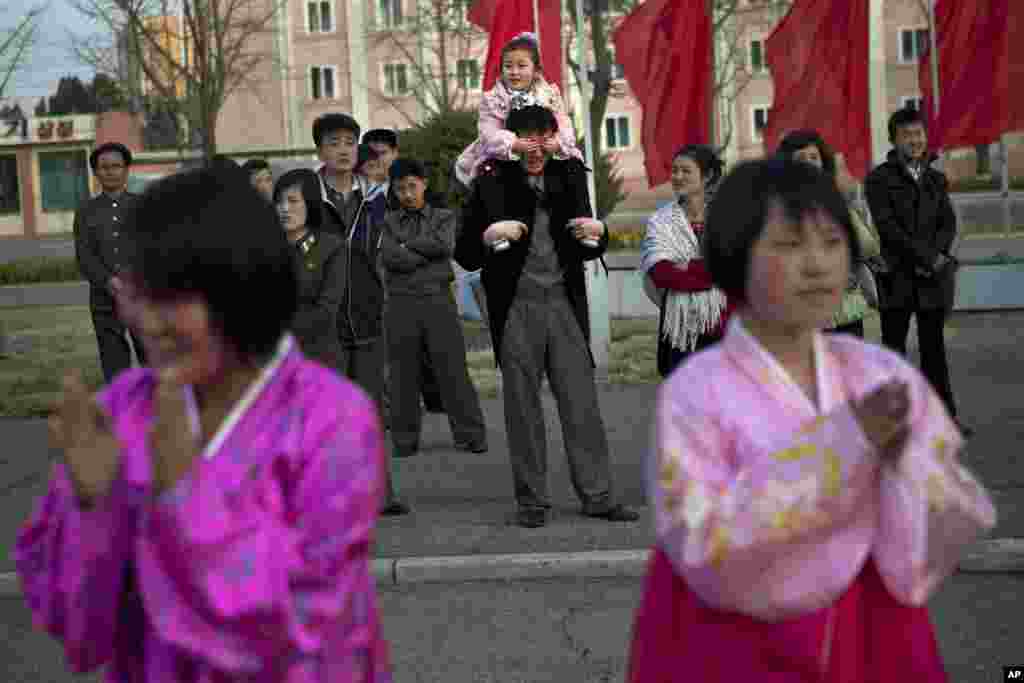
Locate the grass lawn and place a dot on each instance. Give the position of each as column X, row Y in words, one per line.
column 53, row 340
column 58, row 339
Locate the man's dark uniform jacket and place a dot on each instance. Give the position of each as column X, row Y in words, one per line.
column 102, row 249
column 916, row 223
column 100, row 242
column 502, row 192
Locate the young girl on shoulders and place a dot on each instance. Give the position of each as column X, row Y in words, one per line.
column 522, row 83
column 807, row 490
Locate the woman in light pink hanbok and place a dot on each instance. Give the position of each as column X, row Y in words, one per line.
column 807, row 491
column 212, row 518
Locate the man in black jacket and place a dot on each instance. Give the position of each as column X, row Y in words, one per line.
column 537, row 305
column 100, row 246
column 910, row 205
column 346, row 213
column 360, row 318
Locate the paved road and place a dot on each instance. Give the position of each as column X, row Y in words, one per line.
column 574, row 631
column 564, row 630
column 463, row 502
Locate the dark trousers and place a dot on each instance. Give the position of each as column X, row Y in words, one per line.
column 364, row 365
column 431, row 390
column 931, row 343
column 543, row 337
column 429, row 322
column 112, row 339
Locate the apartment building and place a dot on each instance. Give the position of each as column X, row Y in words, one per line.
column 367, row 57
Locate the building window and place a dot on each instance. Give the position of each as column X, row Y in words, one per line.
column 756, row 61
column 390, row 14
column 10, row 200
column 468, row 73
column 759, row 120
column 913, row 44
column 616, row 132
column 320, row 17
column 911, row 102
column 321, row 82
column 64, row 180
column 396, row 81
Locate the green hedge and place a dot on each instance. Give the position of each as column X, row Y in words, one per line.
column 621, row 240
column 42, row 269
column 439, row 140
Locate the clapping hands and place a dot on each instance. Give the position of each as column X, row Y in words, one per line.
column 82, row 431
column 883, row 415
column 173, row 445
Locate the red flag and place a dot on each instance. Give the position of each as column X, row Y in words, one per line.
column 980, row 67
column 664, row 47
column 504, row 19
column 818, row 58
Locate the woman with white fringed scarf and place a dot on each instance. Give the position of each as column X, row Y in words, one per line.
column 693, row 313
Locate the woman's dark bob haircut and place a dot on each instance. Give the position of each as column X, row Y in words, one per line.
column 531, row 119
column 707, row 160
column 209, row 233
column 743, row 203
column 309, row 185
column 799, row 139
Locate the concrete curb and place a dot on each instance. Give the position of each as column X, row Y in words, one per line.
column 999, row 555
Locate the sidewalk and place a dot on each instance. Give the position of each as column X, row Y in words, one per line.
column 463, row 504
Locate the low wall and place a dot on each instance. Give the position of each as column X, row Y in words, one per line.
column 980, row 287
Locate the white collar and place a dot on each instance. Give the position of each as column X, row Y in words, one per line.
column 767, row 369
column 356, row 185
column 252, row 392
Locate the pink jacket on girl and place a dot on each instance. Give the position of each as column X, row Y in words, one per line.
column 495, row 142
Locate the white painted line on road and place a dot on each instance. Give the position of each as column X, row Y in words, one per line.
column 525, row 566
column 996, row 555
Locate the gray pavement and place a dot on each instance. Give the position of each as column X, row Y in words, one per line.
column 569, row 630
column 463, row 503
column 576, row 628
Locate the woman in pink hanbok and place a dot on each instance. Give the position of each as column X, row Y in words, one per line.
column 807, row 492
column 212, row 518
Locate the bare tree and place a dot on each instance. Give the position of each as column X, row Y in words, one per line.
column 730, row 75
column 733, row 62
column 428, row 43
column 15, row 45
column 193, row 53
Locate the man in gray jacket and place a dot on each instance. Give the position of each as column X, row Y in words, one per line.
column 416, row 249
